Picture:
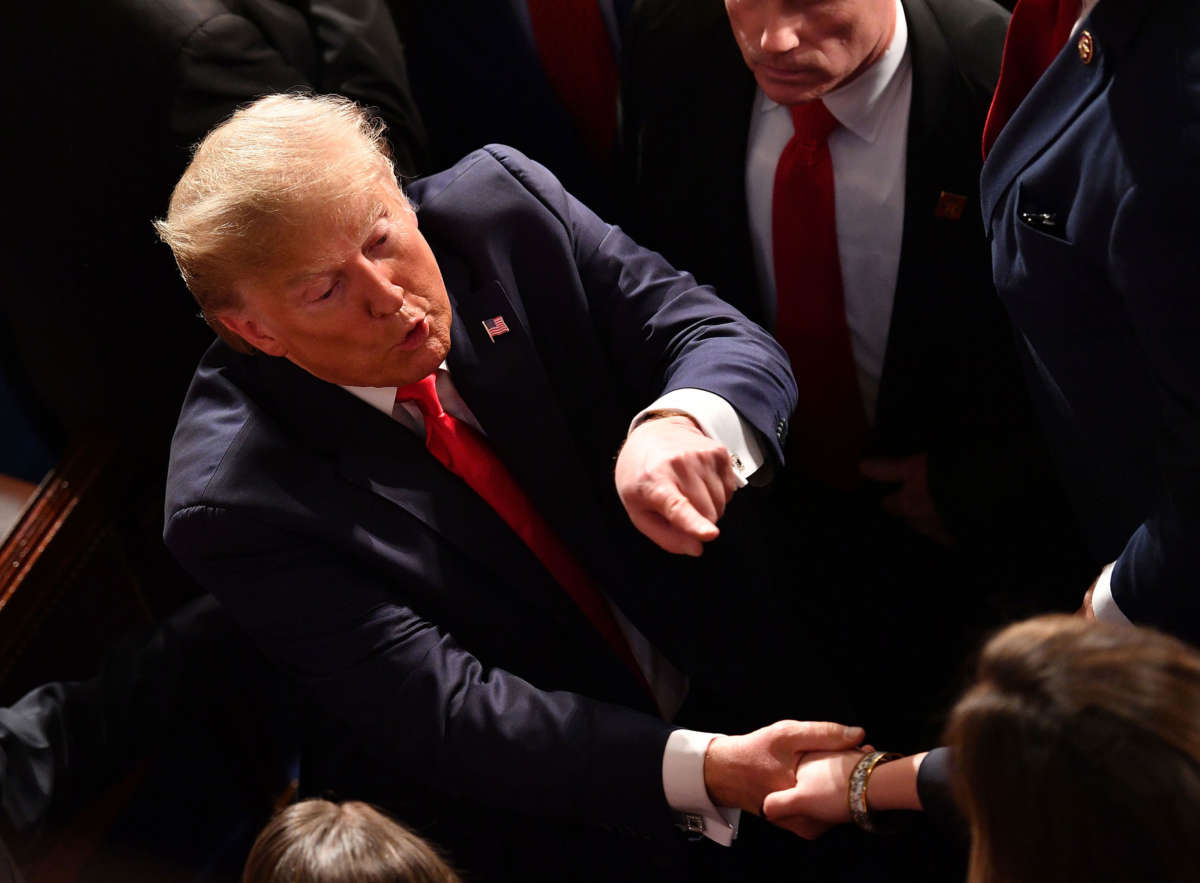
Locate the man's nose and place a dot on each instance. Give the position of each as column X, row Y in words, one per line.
column 379, row 292
column 780, row 30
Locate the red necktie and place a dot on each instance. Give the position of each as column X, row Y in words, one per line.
column 466, row 453
column 577, row 56
column 1037, row 31
column 830, row 426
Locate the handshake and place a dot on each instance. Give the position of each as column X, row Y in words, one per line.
column 797, row 775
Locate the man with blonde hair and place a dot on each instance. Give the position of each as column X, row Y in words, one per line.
column 401, row 482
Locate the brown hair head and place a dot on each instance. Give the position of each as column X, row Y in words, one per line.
column 1079, row 755
column 317, row 841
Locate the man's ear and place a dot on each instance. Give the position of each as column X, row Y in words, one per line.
column 253, row 332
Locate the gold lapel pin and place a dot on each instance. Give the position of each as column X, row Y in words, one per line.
column 1086, row 47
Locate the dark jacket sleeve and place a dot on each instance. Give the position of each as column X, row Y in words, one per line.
column 422, row 706
column 936, row 792
column 662, row 329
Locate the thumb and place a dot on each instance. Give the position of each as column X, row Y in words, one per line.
column 679, row 512
column 828, row 736
column 782, row 804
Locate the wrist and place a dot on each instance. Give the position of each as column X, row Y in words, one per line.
column 893, row 785
column 675, row 415
column 722, row 787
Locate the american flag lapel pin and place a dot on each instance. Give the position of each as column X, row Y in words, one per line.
column 495, row 327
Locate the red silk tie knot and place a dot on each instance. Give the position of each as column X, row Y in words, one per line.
column 813, row 122
column 438, row 423
column 423, row 394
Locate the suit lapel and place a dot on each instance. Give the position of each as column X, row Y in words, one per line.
column 935, row 114
column 504, row 383
column 1066, row 88
column 372, row 451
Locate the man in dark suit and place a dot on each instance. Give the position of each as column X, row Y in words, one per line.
column 960, row 497
column 1089, row 195
column 538, row 75
column 464, row 651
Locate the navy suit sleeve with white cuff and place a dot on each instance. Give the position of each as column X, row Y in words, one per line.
column 1089, row 194
column 418, row 618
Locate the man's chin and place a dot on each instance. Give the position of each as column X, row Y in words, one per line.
column 788, row 89
column 409, row 366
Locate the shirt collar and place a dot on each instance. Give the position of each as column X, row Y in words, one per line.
column 859, row 105
column 380, row 397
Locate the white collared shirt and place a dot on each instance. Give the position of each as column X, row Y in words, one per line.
column 868, row 151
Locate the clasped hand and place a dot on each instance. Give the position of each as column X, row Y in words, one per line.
column 759, row 772
column 675, row 482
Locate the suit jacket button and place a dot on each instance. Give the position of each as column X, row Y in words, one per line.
column 1086, row 47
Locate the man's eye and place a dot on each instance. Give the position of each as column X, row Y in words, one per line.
column 324, row 295
column 380, row 241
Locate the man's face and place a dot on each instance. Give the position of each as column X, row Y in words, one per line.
column 801, row 49
column 360, row 303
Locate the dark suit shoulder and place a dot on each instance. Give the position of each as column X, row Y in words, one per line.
column 489, row 189
column 251, row 422
column 1155, row 96
column 973, row 31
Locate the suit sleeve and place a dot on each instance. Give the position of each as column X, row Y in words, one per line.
column 661, row 329
column 421, row 706
column 935, row 788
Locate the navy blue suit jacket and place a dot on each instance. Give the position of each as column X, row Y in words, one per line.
column 1089, row 195
column 366, row 569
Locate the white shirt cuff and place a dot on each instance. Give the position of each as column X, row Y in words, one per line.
column 720, row 421
column 1103, row 605
column 683, row 785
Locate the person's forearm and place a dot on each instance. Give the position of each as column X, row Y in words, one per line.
column 894, row 785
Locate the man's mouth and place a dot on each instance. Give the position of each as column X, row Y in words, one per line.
column 786, row 74
column 416, row 335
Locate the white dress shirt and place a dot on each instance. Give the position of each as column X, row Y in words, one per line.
column 868, row 151
column 683, row 757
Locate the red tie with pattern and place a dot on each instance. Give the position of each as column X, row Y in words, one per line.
column 577, row 56
column 1037, row 31
column 830, row 426
column 466, row 453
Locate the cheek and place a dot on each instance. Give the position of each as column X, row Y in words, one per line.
column 744, row 27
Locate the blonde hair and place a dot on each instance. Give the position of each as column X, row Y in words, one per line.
column 274, row 168
column 1078, row 755
column 316, row 841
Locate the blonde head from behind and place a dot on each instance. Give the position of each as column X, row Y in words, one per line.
column 275, row 169
column 317, row 841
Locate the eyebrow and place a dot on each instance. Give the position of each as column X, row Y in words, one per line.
column 378, row 210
